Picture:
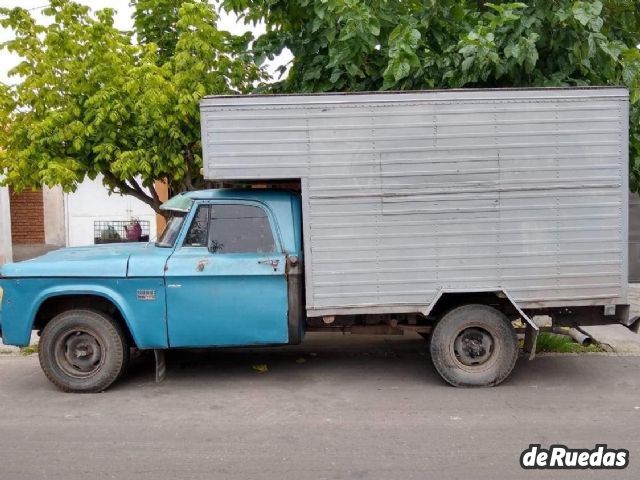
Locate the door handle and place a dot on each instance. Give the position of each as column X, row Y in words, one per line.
column 273, row 263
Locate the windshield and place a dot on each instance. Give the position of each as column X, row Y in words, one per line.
column 171, row 231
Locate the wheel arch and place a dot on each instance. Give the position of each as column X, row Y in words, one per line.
column 53, row 301
column 447, row 299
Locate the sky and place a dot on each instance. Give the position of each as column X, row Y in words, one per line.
column 122, row 20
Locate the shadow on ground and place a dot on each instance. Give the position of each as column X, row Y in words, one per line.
column 345, row 358
column 334, row 359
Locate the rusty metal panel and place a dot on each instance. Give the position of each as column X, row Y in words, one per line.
column 405, row 194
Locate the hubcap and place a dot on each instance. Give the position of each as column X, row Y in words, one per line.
column 473, row 346
column 79, row 353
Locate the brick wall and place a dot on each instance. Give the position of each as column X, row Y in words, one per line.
column 27, row 217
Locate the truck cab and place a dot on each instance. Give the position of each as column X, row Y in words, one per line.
column 234, row 258
column 227, row 271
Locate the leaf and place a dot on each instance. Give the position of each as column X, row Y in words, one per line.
column 467, row 63
column 612, row 49
column 596, row 24
column 374, row 28
column 261, row 368
column 512, row 50
column 352, row 69
column 458, row 12
column 335, row 76
column 314, row 72
column 588, row 12
column 581, row 14
column 401, row 70
column 532, row 59
column 414, row 37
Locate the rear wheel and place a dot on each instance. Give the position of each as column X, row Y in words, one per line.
column 474, row 345
column 83, row 351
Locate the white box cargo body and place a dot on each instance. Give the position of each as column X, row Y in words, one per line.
column 407, row 195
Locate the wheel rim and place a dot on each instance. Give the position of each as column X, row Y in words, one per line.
column 79, row 353
column 473, row 346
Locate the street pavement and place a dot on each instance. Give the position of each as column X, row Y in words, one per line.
column 336, row 407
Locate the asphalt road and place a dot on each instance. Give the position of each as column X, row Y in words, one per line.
column 334, row 408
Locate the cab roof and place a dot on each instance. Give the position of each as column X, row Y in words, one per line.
column 183, row 201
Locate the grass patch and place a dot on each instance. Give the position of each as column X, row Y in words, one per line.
column 550, row 342
column 30, row 350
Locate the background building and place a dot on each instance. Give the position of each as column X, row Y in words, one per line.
column 33, row 222
column 5, row 226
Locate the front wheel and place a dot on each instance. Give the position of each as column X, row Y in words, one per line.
column 83, row 351
column 474, row 345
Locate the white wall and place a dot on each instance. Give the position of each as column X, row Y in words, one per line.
column 5, row 227
column 91, row 202
column 53, row 203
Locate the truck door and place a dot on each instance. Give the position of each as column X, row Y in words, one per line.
column 226, row 281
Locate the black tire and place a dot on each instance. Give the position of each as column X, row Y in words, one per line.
column 474, row 346
column 83, row 351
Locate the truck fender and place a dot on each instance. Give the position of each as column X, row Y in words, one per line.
column 531, row 331
column 85, row 289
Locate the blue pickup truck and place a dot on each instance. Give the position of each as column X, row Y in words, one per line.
column 458, row 215
column 225, row 272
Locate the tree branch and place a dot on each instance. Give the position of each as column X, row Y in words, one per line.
column 136, row 186
column 126, row 189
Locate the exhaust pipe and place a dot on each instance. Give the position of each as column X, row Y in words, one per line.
column 577, row 335
column 580, row 337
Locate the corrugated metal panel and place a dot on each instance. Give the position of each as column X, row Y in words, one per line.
column 405, row 194
column 634, row 238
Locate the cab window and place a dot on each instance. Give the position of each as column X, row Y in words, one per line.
column 239, row 229
column 171, row 231
column 197, row 234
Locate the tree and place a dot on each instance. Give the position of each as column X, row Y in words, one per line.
column 125, row 104
column 95, row 100
column 155, row 22
column 350, row 45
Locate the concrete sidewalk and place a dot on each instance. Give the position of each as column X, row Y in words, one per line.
column 633, row 297
column 8, row 349
column 619, row 337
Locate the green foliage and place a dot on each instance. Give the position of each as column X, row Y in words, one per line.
column 350, row 45
column 156, row 21
column 125, row 104
column 550, row 342
column 93, row 100
column 30, row 350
